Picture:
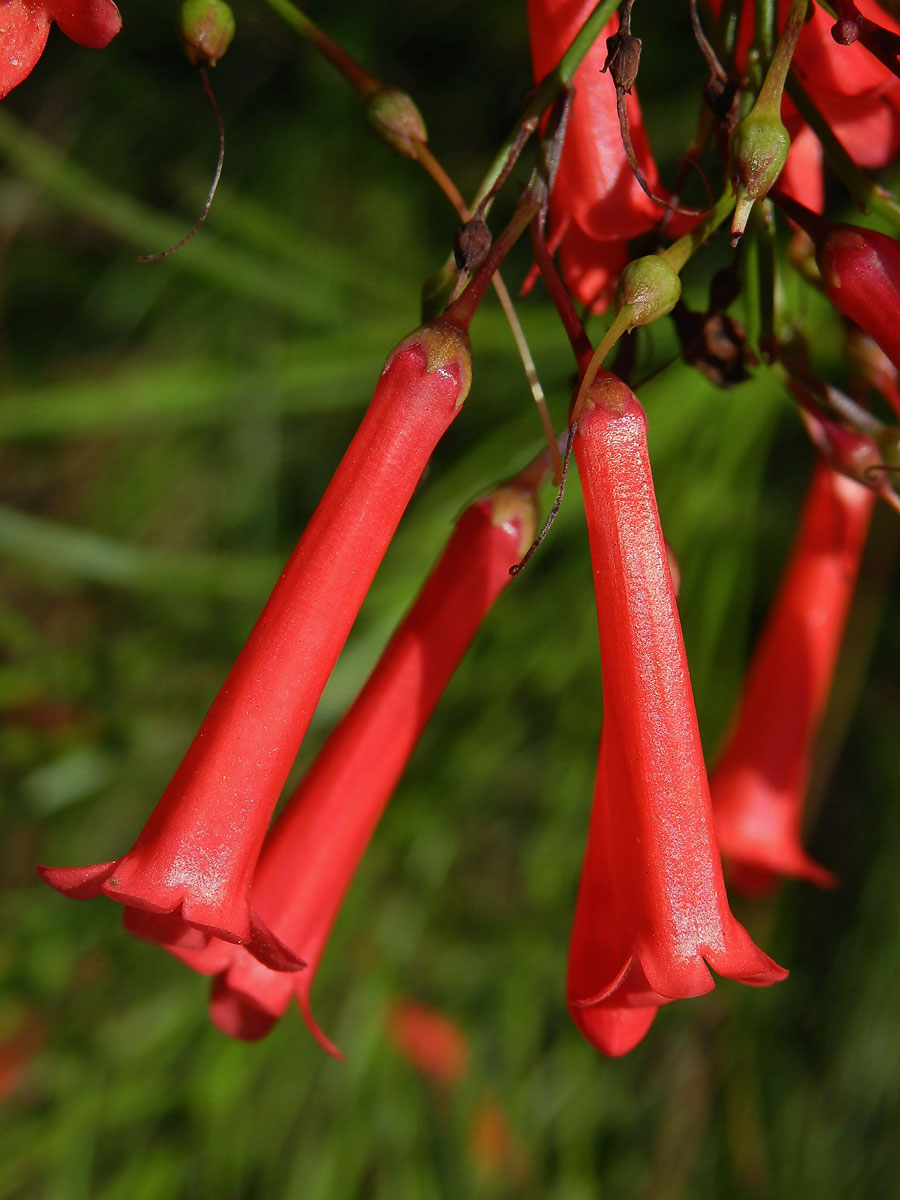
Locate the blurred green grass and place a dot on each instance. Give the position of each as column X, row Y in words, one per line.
column 165, row 432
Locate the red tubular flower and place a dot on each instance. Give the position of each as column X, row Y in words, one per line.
column 759, row 785
column 193, row 862
column 860, row 271
column 595, row 193
column 25, row 27
column 861, row 274
column 315, row 846
column 652, row 914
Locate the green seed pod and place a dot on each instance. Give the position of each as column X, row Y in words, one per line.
column 206, row 28
column 651, row 286
column 759, row 150
column 397, row 121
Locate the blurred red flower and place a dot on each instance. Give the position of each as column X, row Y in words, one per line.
column 433, row 1043
column 759, row 786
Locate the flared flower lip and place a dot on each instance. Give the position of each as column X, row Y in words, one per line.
column 175, row 925
column 654, row 998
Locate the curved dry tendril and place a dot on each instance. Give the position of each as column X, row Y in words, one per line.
column 204, row 79
column 518, row 567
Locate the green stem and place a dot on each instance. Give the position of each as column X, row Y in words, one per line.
column 765, row 26
column 675, row 256
column 773, row 84
column 759, row 285
column 680, row 251
column 621, row 324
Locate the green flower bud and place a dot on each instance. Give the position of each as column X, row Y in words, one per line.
column 759, row 150
column 206, row 28
column 651, row 287
column 397, row 121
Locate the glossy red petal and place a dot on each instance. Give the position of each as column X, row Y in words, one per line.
column 24, row 28
column 861, row 275
column 92, row 23
column 803, row 175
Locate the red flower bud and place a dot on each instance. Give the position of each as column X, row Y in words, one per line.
column 194, row 860
column 652, row 913
column 803, row 177
column 861, row 275
column 25, row 27
column 759, row 786
column 314, row 849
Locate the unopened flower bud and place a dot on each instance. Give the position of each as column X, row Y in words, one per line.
column 397, row 121
column 206, row 28
column 861, row 275
column 651, row 286
column 759, row 150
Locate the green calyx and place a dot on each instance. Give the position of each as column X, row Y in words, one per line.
column 759, row 149
column 206, row 28
column 652, row 288
column 397, row 121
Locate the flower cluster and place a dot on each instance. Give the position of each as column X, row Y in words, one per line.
column 251, row 903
